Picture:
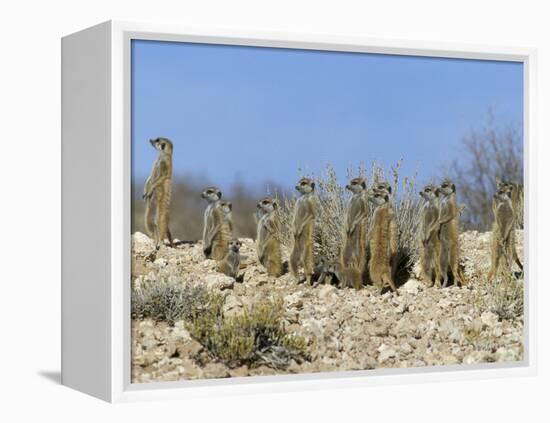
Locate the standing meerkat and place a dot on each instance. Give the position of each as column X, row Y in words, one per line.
column 380, row 240
column 268, row 245
column 232, row 261
column 157, row 193
column 216, row 233
column 227, row 210
column 514, row 191
column 354, row 253
column 448, row 234
column 429, row 234
column 503, row 227
column 304, row 225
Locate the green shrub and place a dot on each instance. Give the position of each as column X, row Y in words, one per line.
column 254, row 338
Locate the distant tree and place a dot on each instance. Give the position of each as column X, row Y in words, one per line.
column 487, row 153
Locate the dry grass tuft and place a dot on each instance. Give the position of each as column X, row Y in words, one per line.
column 503, row 296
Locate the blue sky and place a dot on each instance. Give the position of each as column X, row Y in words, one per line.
column 259, row 114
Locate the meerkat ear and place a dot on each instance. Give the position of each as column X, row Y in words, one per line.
column 312, row 185
column 275, row 204
column 219, row 194
column 454, row 187
column 437, row 191
column 230, row 205
column 364, row 185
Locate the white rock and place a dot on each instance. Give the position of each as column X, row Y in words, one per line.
column 219, row 281
column 412, row 287
column 475, row 357
column 489, row 319
column 386, row 353
column 327, row 291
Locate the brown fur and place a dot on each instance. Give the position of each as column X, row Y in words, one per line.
column 429, row 237
column 382, row 241
column 230, row 264
column 268, row 245
column 448, row 234
column 216, row 232
column 514, row 191
column 157, row 193
column 354, row 252
column 502, row 245
column 304, row 225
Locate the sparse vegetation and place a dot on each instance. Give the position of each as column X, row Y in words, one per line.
column 256, row 337
column 164, row 301
column 503, row 296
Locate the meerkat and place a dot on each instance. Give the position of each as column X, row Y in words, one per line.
column 384, row 186
column 268, row 245
column 380, row 240
column 503, row 227
column 157, row 193
column 514, row 191
column 304, row 224
column 335, row 272
column 227, row 210
column 216, row 233
column 232, row 261
column 354, row 253
column 448, row 234
column 429, row 234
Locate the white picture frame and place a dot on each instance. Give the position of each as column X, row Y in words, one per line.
column 96, row 226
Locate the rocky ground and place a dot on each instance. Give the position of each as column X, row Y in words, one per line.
column 345, row 329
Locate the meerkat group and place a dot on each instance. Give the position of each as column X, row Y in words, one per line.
column 369, row 248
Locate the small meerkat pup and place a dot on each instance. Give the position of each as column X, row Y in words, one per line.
column 304, row 225
column 514, row 191
column 429, row 234
column 347, row 277
column 227, row 210
column 503, row 227
column 232, row 261
column 354, row 253
column 380, row 240
column 268, row 245
column 448, row 234
column 216, row 233
column 157, row 193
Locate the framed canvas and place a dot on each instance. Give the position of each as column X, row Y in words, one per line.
column 256, row 212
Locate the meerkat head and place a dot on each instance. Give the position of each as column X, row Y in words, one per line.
column 429, row 192
column 305, row 186
column 226, row 206
column 267, row 205
column 447, row 187
column 378, row 197
column 234, row 245
column 164, row 145
column 211, row 194
column 357, row 185
column 384, row 186
column 504, row 185
column 503, row 195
